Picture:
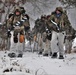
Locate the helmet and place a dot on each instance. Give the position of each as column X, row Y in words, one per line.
column 59, row 9
column 17, row 7
column 17, row 11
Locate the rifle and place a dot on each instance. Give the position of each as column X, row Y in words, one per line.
column 55, row 24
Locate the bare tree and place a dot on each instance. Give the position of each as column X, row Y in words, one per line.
column 40, row 5
column 68, row 3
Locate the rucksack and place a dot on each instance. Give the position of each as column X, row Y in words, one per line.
column 15, row 39
column 21, row 38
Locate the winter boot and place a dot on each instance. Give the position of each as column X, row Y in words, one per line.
column 54, row 55
column 41, row 51
column 50, row 53
column 20, row 55
column 61, row 57
column 46, row 54
column 12, row 55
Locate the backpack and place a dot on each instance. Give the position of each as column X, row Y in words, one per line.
column 21, row 38
column 15, row 39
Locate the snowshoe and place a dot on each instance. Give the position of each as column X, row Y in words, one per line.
column 12, row 55
column 20, row 55
column 61, row 57
column 54, row 55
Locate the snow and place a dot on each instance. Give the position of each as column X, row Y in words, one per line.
column 0, row 23
column 32, row 64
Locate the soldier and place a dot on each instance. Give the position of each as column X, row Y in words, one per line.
column 58, row 22
column 70, row 35
column 38, row 34
column 46, row 37
column 46, row 43
column 18, row 21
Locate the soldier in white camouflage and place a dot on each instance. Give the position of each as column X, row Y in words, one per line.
column 58, row 23
column 18, row 21
column 70, row 35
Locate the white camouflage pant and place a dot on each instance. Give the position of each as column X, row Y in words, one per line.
column 39, row 39
column 47, row 47
column 57, row 42
column 16, row 47
column 68, row 45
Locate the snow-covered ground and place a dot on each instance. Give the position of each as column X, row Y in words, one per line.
column 34, row 64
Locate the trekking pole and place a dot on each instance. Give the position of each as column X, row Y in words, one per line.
column 24, row 44
column 37, row 45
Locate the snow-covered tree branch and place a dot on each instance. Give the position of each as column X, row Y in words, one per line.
column 68, row 3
